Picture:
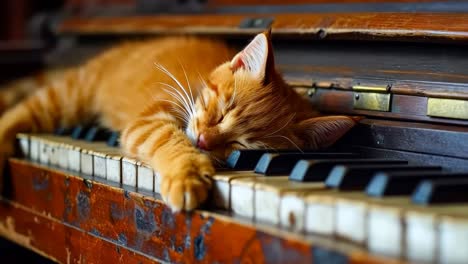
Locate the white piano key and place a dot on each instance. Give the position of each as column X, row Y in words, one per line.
column 385, row 231
column 54, row 153
column 319, row 214
column 99, row 164
column 421, row 237
column 34, row 148
column 292, row 209
column 44, row 151
column 157, row 182
column 242, row 197
column 129, row 172
column 63, row 151
column 114, row 168
column 267, row 204
column 221, row 194
column 74, row 159
column 23, row 140
column 145, row 177
column 86, row 165
column 351, row 220
column 222, row 186
column 453, row 240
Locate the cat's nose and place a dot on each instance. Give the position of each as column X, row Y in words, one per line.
column 201, row 142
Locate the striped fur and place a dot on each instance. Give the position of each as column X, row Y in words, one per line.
column 165, row 95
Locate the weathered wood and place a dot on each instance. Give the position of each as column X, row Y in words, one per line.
column 60, row 242
column 80, row 213
column 370, row 26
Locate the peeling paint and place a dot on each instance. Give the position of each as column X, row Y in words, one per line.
column 200, row 247
column 68, row 255
column 122, row 239
column 275, row 252
column 67, row 181
column 40, row 183
column 88, row 183
column 83, row 205
column 116, row 213
column 144, row 220
column 7, row 229
column 206, row 227
column 168, row 220
column 95, row 232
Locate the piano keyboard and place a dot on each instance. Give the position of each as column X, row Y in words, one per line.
column 389, row 206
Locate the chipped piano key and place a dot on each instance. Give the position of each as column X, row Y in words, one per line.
column 268, row 198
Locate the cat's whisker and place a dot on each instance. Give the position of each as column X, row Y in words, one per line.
column 200, row 94
column 183, row 114
column 285, row 124
column 170, row 75
column 288, row 139
column 188, row 83
column 233, row 96
column 179, row 95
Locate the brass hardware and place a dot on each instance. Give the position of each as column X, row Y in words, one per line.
column 365, row 88
column 372, row 101
column 448, row 108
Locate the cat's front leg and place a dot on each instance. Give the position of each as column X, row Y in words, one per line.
column 186, row 173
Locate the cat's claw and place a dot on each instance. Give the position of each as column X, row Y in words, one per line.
column 186, row 190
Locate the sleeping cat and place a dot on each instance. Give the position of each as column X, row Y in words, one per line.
column 181, row 103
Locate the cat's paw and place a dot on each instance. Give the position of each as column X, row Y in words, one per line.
column 187, row 184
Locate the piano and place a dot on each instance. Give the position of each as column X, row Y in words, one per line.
column 393, row 190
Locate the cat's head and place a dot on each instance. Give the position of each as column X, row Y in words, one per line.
column 246, row 104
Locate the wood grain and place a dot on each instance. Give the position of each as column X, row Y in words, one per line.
column 369, row 26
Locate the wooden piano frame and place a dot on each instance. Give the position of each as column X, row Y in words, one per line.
column 71, row 218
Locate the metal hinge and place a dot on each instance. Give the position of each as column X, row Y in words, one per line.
column 372, row 97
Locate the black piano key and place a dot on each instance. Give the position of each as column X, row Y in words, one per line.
column 247, row 159
column 79, row 132
column 356, row 177
column 404, row 183
column 277, row 163
column 63, row 131
column 318, row 170
column 97, row 134
column 114, row 139
column 441, row 191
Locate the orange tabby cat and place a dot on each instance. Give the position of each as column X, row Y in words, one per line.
column 180, row 103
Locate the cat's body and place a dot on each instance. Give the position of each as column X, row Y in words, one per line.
column 169, row 96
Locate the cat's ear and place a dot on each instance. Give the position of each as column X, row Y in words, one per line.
column 257, row 58
column 322, row 132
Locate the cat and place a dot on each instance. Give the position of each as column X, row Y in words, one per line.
column 181, row 103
